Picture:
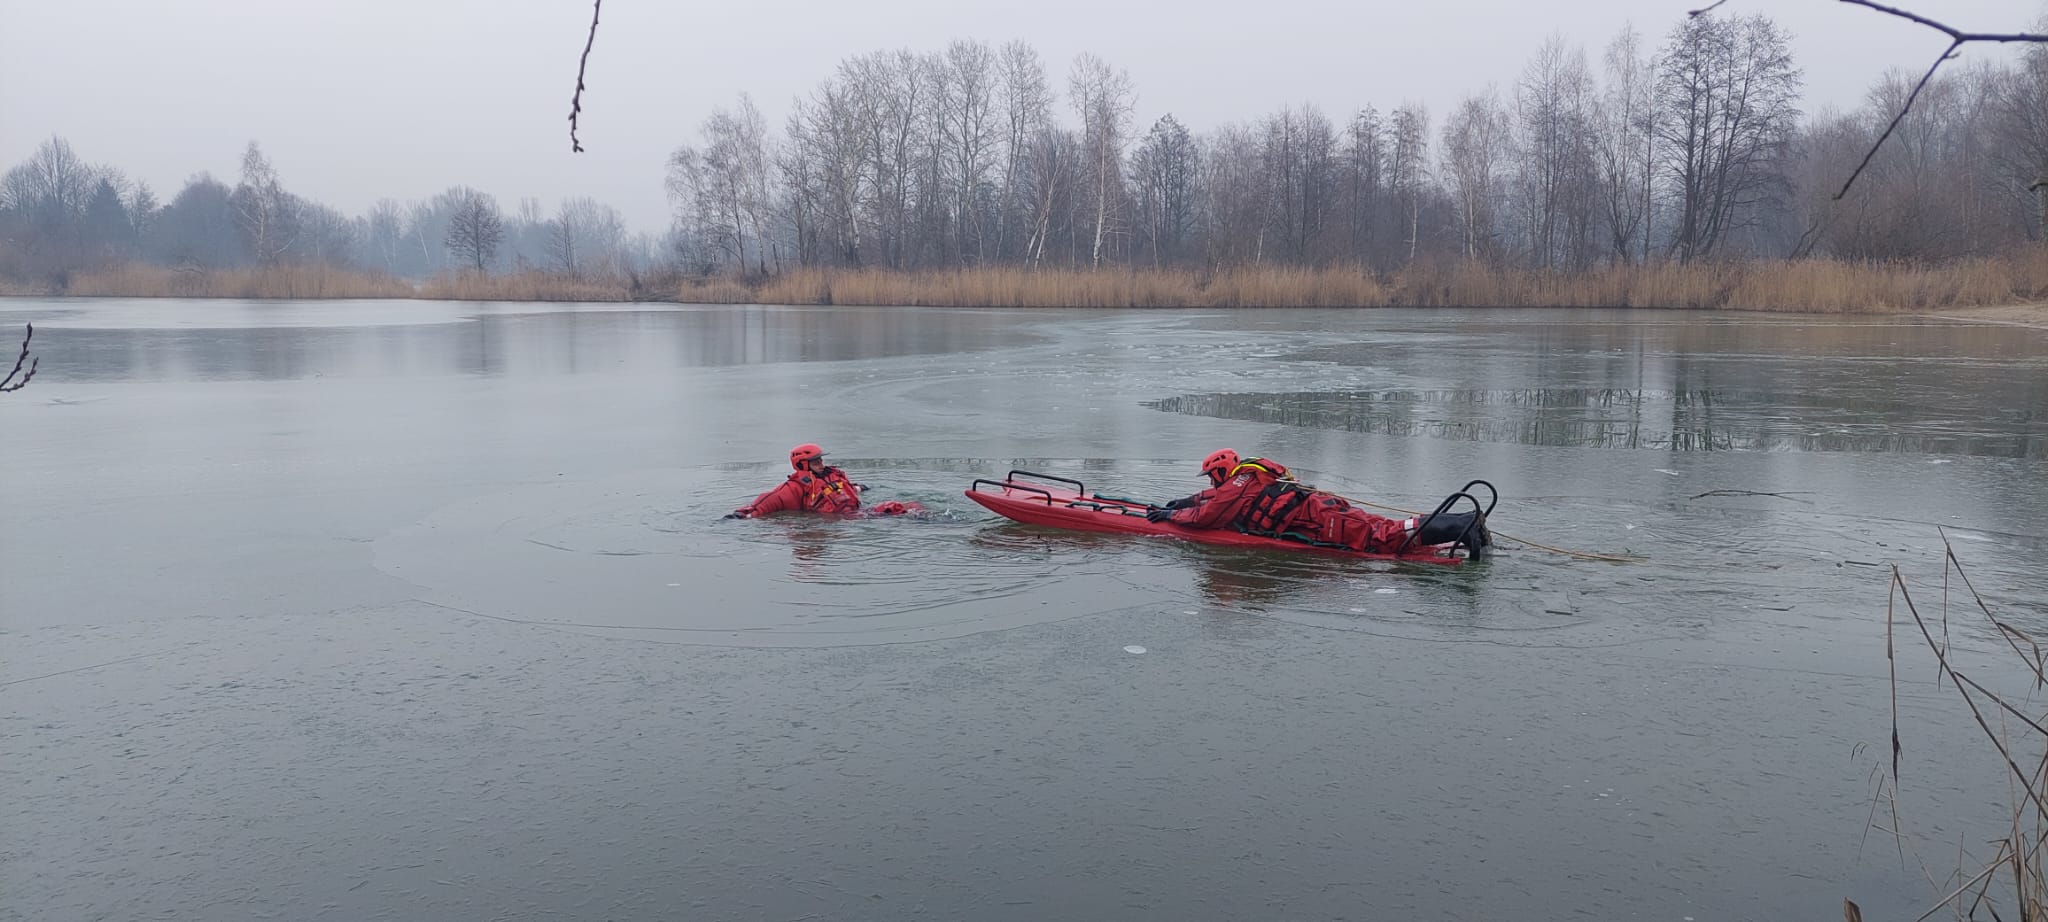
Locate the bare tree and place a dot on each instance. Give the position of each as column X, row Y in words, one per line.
column 1476, row 141
column 1408, row 168
column 475, row 229
column 1027, row 106
column 1625, row 146
column 1103, row 99
column 585, row 239
column 143, row 208
column 724, row 185
column 266, row 214
column 1166, row 169
column 1728, row 88
column 2020, row 146
column 384, row 233
column 1362, row 182
column 1054, row 169
column 1555, row 193
column 971, row 136
column 1239, row 197
column 52, row 186
column 49, row 195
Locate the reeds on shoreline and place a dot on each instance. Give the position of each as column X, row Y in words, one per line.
column 520, row 286
column 280, row 282
column 1805, row 286
column 1797, row 286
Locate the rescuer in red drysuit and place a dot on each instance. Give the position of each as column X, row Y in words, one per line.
column 1259, row 497
column 813, row 486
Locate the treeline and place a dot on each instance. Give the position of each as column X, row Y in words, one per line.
column 1696, row 149
column 63, row 218
column 1690, row 150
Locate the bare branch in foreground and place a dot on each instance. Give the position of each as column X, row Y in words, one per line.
column 1957, row 39
column 576, row 101
column 8, row 383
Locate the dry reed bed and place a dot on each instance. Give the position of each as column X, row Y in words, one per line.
column 1809, row 286
column 1806, row 286
column 520, row 286
column 293, row 282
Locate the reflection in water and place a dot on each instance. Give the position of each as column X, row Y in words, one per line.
column 810, row 542
column 1256, row 580
column 1681, row 420
column 491, row 343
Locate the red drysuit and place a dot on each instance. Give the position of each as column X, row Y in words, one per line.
column 1256, row 499
column 826, row 491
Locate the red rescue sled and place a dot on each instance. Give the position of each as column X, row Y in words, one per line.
column 1042, row 499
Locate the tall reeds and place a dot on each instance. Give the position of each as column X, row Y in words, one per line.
column 1797, row 286
column 1804, row 286
column 521, row 286
column 2015, row 877
column 292, row 282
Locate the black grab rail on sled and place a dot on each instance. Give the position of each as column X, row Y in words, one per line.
column 1009, row 482
column 1464, row 537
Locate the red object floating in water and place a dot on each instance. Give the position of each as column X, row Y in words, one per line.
column 1060, row 503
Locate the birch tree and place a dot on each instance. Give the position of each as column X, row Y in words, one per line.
column 1475, row 149
column 1102, row 98
column 266, row 215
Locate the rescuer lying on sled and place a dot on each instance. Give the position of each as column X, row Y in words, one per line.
column 814, row 486
column 1260, row 497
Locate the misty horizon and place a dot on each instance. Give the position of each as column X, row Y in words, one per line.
column 384, row 129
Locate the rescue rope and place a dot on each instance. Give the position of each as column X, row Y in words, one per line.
column 1582, row 555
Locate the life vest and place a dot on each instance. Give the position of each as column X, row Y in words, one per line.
column 1269, row 511
column 826, row 491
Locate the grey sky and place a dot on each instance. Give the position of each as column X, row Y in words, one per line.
column 357, row 99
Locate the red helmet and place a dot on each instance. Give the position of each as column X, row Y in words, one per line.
column 804, row 454
column 1218, row 465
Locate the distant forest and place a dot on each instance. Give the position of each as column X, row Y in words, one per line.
column 1690, row 149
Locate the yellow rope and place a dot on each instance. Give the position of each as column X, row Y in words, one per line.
column 1582, row 555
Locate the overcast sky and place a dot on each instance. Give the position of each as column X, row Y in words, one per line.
column 358, row 99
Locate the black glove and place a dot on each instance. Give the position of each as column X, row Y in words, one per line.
column 734, row 515
column 1158, row 515
column 1181, row 503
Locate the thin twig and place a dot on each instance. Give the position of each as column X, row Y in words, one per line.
column 1946, row 54
column 1951, row 31
column 1957, row 39
column 1892, row 662
column 1941, row 660
column 576, row 101
column 2012, row 635
column 1959, row 891
column 8, row 383
column 1788, row 494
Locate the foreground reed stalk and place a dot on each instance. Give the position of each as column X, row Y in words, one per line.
column 2013, row 879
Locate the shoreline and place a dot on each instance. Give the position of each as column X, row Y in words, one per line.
column 2011, row 290
column 2023, row 314
column 2031, row 315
